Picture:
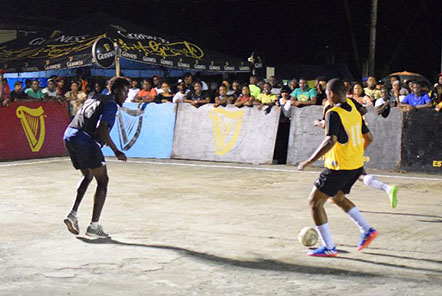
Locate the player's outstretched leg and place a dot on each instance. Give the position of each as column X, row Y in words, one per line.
column 368, row 234
column 316, row 201
column 71, row 220
column 95, row 229
column 391, row 190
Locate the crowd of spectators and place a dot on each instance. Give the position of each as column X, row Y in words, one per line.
column 191, row 89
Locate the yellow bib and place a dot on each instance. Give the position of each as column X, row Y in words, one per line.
column 348, row 156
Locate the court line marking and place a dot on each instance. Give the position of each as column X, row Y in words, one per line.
column 266, row 169
column 214, row 166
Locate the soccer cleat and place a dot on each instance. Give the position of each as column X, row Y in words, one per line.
column 367, row 238
column 98, row 233
column 392, row 194
column 72, row 223
column 323, row 252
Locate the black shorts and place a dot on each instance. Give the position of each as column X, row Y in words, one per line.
column 84, row 155
column 331, row 182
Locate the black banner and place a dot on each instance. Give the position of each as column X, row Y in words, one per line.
column 72, row 47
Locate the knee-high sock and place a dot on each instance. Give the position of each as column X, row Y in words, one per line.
column 357, row 218
column 371, row 181
column 324, row 233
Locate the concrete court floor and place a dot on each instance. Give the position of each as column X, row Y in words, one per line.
column 198, row 228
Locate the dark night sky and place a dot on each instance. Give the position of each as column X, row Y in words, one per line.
column 290, row 31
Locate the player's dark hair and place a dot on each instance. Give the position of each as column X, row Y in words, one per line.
column 118, row 82
column 337, row 86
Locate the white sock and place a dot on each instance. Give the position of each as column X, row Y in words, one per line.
column 73, row 213
column 94, row 225
column 371, row 181
column 324, row 233
column 357, row 218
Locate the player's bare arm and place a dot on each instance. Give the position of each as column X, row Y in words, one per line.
column 326, row 145
column 103, row 132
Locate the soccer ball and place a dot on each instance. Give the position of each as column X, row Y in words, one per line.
column 308, row 236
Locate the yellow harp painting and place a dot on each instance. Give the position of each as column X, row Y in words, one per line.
column 33, row 123
column 226, row 128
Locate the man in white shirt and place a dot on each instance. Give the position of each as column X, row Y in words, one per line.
column 50, row 91
column 133, row 91
column 181, row 92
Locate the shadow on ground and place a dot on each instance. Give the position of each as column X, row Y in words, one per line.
column 266, row 264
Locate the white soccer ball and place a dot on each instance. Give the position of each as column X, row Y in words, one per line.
column 308, row 236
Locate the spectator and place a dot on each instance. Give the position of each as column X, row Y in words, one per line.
column 227, row 84
column 276, row 87
column 106, row 91
column 320, row 84
column 28, row 83
column 188, row 81
column 222, row 99
column 181, row 92
column 417, row 99
column 359, row 96
column 197, row 96
column 436, row 93
column 34, row 92
column 97, row 90
column 156, row 82
column 147, row 94
column 254, row 89
column 266, row 98
column 397, row 93
column 18, row 94
column 133, row 91
column 236, row 88
column 80, row 79
column 380, row 85
column 383, row 104
column 245, row 98
column 60, row 86
column 261, row 84
column 294, row 84
column 75, row 98
column 408, row 84
column 285, row 102
column 347, row 85
column 303, row 96
column 50, row 91
column 371, row 90
column 6, row 89
column 165, row 96
column 197, row 76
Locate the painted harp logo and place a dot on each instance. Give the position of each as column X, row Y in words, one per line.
column 33, row 123
column 226, row 128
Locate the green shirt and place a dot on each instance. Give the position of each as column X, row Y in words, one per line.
column 38, row 95
column 304, row 96
column 254, row 90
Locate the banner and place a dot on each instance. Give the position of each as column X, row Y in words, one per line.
column 32, row 130
column 231, row 134
column 144, row 132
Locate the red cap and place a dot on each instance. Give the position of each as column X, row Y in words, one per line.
column 440, row 75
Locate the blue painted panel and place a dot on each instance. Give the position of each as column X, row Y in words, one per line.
column 144, row 133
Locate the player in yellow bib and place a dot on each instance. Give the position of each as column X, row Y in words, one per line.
column 365, row 178
column 343, row 150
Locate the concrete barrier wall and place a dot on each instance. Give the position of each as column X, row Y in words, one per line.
column 245, row 135
column 422, row 141
column 144, row 133
column 383, row 153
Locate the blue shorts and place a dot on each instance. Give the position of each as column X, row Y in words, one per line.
column 84, row 154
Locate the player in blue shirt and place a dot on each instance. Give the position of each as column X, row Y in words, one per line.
column 84, row 137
